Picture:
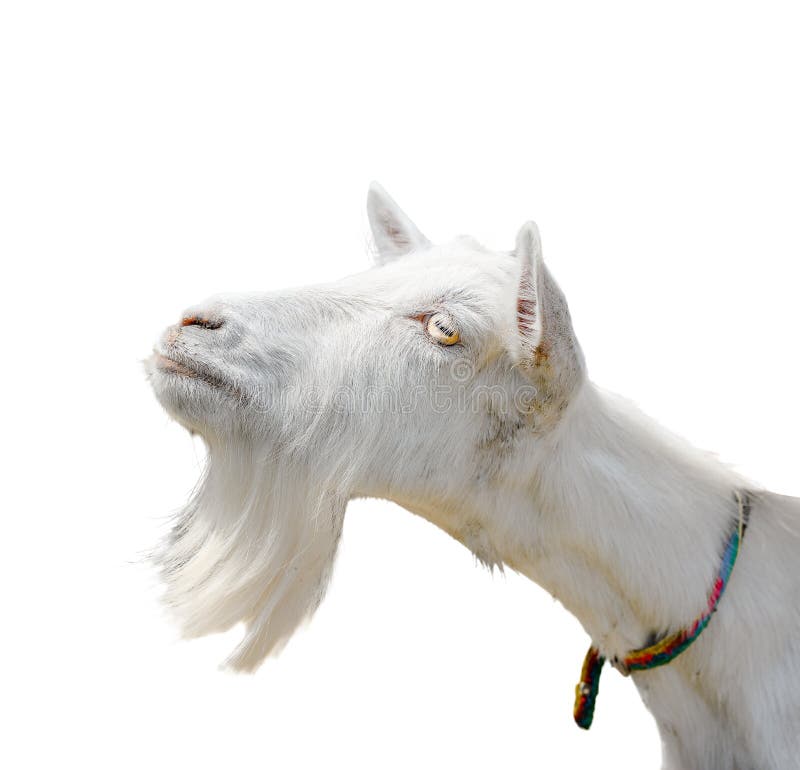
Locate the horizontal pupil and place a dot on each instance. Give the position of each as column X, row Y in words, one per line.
column 442, row 328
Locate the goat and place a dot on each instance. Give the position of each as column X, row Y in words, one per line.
column 449, row 380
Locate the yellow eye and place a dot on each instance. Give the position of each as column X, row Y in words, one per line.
column 441, row 329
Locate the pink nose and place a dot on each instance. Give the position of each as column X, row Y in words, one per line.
column 197, row 320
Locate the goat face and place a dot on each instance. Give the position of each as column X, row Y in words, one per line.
column 419, row 381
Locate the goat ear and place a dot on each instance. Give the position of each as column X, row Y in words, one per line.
column 529, row 253
column 394, row 233
column 548, row 349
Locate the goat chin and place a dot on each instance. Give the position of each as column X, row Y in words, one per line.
column 255, row 544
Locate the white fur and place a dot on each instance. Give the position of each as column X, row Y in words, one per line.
column 312, row 397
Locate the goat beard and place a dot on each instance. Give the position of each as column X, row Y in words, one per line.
column 255, row 544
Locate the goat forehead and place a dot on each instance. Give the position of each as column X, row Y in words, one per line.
column 459, row 257
column 457, row 271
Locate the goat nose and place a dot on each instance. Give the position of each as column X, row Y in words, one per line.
column 201, row 320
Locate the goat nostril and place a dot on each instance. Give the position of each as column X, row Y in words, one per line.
column 206, row 323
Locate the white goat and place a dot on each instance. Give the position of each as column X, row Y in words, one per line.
column 448, row 379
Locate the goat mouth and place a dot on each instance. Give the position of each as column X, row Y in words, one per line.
column 190, row 370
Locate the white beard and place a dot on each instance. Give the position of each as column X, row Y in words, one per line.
column 255, row 544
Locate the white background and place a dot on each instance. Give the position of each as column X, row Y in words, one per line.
column 153, row 153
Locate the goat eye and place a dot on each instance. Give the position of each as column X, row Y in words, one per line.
column 441, row 329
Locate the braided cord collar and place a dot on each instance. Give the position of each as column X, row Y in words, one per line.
column 668, row 648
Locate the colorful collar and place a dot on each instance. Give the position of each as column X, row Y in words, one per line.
column 668, row 648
